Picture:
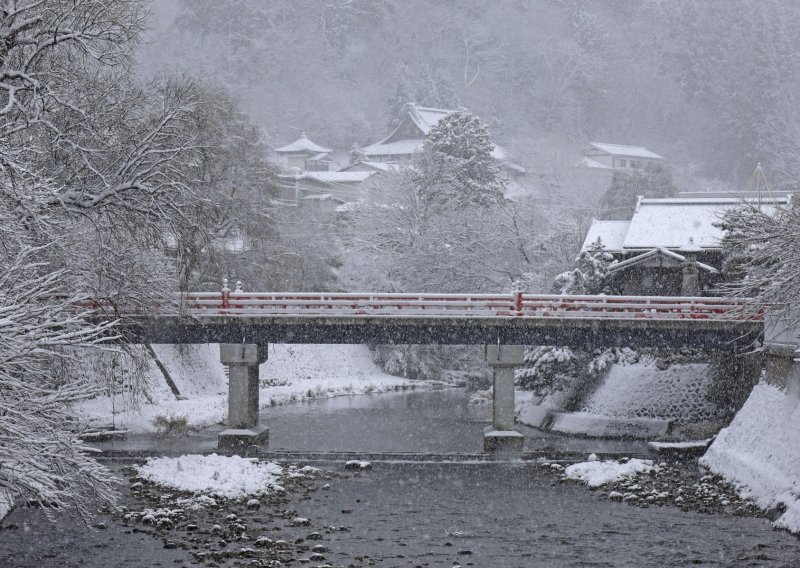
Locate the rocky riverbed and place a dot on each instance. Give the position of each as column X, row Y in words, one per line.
column 680, row 484
column 504, row 515
column 263, row 531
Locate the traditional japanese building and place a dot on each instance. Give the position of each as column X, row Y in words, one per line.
column 304, row 155
column 667, row 238
column 601, row 155
column 409, row 135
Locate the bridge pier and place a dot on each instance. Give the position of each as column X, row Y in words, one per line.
column 243, row 430
column 501, row 435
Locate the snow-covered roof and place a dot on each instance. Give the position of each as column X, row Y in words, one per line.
column 378, row 166
column 303, row 144
column 611, row 234
column 589, row 163
column 623, row 150
column 340, row 177
column 426, row 117
column 396, row 148
column 670, row 222
column 407, row 147
column 679, row 258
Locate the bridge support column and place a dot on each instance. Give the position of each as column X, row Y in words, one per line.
column 243, row 430
column 501, row 435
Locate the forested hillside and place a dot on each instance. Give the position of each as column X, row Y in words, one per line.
column 711, row 85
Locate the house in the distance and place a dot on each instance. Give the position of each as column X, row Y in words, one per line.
column 601, row 155
column 408, row 137
column 299, row 187
column 668, row 238
column 304, row 155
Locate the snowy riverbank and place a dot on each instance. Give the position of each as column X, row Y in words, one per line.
column 759, row 452
column 292, row 373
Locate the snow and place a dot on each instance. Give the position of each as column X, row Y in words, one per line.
column 760, row 453
column 670, row 222
column 395, row 148
column 677, row 259
column 596, row 473
column 587, row 424
column 660, row 446
column 6, row 504
column 341, row 177
column 303, row 144
column 294, row 373
column 611, row 233
column 228, row 477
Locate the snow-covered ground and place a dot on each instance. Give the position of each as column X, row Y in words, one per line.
column 227, row 477
column 292, row 373
column 760, row 452
column 595, row 473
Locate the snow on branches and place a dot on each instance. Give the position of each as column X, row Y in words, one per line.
column 41, row 460
column 589, row 274
column 762, row 255
column 457, row 163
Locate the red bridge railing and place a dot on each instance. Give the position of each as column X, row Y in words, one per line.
column 516, row 305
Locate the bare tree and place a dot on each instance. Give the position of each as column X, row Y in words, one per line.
column 93, row 172
column 762, row 249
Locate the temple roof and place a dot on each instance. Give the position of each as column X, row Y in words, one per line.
column 303, row 144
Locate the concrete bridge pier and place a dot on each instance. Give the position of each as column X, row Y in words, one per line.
column 501, row 435
column 243, row 430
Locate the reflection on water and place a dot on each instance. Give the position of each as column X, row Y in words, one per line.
column 439, row 421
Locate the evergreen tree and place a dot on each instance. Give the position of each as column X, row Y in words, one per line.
column 619, row 200
column 402, row 94
column 456, row 161
column 589, row 274
column 434, row 91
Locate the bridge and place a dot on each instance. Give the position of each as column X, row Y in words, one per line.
column 455, row 319
column 244, row 323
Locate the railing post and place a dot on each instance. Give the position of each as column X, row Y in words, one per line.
column 518, row 302
column 226, row 296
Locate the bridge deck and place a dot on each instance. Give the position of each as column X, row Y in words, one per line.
column 580, row 321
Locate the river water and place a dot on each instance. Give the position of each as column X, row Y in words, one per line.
column 434, row 514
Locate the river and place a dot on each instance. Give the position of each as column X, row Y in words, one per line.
column 403, row 513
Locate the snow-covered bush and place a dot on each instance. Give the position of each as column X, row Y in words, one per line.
column 548, row 369
column 589, row 274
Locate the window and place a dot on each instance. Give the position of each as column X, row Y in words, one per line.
column 636, row 164
column 622, row 163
